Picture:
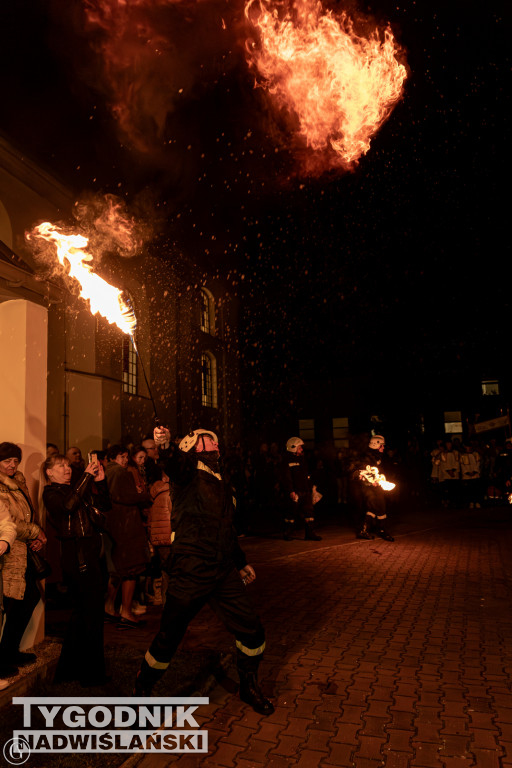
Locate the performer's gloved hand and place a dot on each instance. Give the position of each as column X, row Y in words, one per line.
column 162, row 436
column 247, row 574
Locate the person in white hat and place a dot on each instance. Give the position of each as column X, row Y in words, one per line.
column 206, row 565
column 373, row 498
column 298, row 491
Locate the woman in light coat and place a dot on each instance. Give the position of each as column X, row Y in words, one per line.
column 7, row 539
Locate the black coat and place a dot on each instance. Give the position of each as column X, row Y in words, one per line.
column 295, row 475
column 203, row 511
column 67, row 507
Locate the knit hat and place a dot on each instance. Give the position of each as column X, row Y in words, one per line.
column 9, row 451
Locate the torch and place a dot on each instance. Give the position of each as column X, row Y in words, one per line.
column 103, row 298
column 372, row 476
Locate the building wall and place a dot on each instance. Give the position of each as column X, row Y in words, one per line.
column 86, row 404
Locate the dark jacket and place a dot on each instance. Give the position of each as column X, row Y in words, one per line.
column 371, row 458
column 68, row 507
column 203, row 510
column 130, row 552
column 295, row 475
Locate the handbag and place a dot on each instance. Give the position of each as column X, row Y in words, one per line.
column 97, row 517
column 40, row 567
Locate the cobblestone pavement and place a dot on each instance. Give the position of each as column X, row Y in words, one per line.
column 379, row 653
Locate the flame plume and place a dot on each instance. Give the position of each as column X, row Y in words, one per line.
column 372, row 476
column 338, row 86
column 72, row 253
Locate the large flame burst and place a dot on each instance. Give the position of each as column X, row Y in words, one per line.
column 73, row 254
column 338, row 86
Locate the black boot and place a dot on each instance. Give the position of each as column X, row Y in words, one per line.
column 310, row 534
column 250, row 691
column 384, row 534
column 145, row 680
column 288, row 530
column 364, row 533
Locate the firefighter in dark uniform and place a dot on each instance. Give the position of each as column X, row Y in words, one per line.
column 206, row 565
column 372, row 497
column 298, row 491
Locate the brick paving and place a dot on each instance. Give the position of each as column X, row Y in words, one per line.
column 379, row 653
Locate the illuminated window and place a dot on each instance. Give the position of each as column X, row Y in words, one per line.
column 307, row 431
column 490, row 387
column 340, row 432
column 207, row 312
column 208, row 380
column 129, row 367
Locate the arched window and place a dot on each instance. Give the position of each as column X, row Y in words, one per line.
column 208, row 380
column 207, row 312
column 129, row 362
column 129, row 367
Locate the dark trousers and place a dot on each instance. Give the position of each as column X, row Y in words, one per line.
column 82, row 656
column 192, row 584
column 302, row 509
column 374, row 504
column 17, row 617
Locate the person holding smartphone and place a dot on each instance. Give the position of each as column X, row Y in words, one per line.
column 75, row 513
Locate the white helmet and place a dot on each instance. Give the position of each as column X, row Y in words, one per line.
column 376, row 442
column 293, row 443
column 190, row 440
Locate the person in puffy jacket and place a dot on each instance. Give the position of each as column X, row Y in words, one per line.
column 206, row 565
column 7, row 539
column 20, row 590
column 76, row 514
column 159, row 522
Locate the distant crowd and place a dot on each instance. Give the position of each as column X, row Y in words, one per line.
column 449, row 472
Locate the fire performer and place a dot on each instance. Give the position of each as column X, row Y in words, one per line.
column 371, row 492
column 206, row 565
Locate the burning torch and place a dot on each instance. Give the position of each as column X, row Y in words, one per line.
column 103, row 298
column 372, row 476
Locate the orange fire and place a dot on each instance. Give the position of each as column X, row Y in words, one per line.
column 72, row 253
column 337, row 86
column 372, row 476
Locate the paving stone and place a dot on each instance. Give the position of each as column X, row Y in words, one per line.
column 256, row 751
column 427, row 756
column 310, row 758
column 454, row 746
column 402, row 721
column 399, row 741
column 397, row 759
column 288, row 746
column 487, row 758
column 239, row 735
column 370, row 747
column 317, row 740
column 225, row 754
column 340, row 755
column 458, row 726
column 485, row 740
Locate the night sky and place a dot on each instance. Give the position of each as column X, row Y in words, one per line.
column 394, row 275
